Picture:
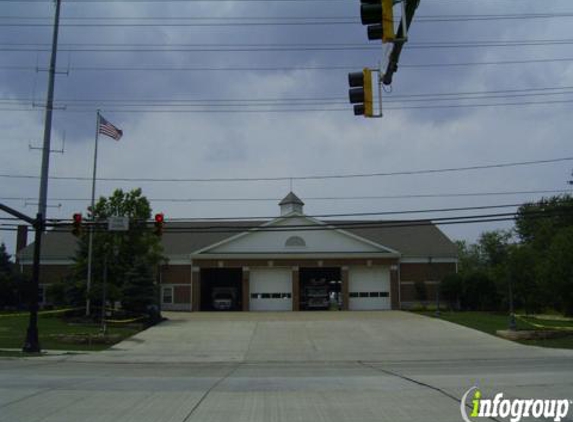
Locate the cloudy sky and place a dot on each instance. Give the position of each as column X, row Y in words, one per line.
column 208, row 89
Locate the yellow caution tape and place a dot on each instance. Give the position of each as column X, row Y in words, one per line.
column 58, row 311
column 125, row 321
column 548, row 327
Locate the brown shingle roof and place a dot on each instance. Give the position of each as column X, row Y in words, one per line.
column 182, row 238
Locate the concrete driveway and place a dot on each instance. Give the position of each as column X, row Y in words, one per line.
column 312, row 337
column 283, row 367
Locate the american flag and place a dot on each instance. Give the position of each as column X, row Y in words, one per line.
column 106, row 128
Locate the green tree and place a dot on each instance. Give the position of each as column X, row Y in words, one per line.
column 542, row 227
column 479, row 292
column 8, row 293
column 537, row 223
column 451, row 288
column 494, row 247
column 557, row 270
column 139, row 291
column 6, row 266
column 529, row 294
column 470, row 258
column 121, row 250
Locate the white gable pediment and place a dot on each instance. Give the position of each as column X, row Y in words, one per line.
column 312, row 237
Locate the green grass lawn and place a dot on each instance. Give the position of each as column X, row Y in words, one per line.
column 13, row 332
column 491, row 322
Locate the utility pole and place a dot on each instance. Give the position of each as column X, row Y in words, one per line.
column 32, row 343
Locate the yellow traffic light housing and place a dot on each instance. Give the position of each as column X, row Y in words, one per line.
column 368, row 94
column 360, row 92
column 379, row 16
column 388, row 34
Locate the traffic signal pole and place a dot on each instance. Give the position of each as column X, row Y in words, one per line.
column 32, row 343
column 408, row 9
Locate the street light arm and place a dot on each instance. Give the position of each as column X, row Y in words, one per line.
column 18, row 214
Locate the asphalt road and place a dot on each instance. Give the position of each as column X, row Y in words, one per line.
column 363, row 377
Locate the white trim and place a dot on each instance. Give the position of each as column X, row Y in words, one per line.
column 176, row 307
column 175, row 285
column 163, row 289
column 292, row 215
column 50, row 262
column 427, row 261
column 278, row 256
column 186, row 261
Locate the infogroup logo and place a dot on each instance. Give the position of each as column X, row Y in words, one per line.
column 515, row 409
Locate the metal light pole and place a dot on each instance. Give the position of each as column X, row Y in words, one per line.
column 32, row 343
column 512, row 323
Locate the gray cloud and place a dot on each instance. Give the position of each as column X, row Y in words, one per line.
column 290, row 144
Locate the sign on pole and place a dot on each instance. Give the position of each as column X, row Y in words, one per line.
column 118, row 224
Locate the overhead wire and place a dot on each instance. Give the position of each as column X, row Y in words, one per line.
column 249, row 102
column 199, row 21
column 281, row 68
column 229, row 227
column 216, row 47
column 306, row 177
column 90, row 110
column 322, row 198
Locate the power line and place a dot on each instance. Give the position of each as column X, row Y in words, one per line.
column 200, row 21
column 170, row 48
column 309, row 177
column 323, row 198
column 291, row 110
column 250, row 102
column 419, row 17
column 281, row 68
column 329, row 225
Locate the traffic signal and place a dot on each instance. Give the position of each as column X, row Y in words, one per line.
column 159, row 222
column 77, row 224
column 379, row 16
column 360, row 92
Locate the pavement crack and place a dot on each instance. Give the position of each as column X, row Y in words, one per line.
column 37, row 393
column 204, row 396
column 420, row 383
column 248, row 352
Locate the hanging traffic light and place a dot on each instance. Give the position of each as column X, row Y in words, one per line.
column 360, row 92
column 77, row 224
column 159, row 222
column 379, row 16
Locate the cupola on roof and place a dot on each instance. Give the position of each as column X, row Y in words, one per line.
column 291, row 203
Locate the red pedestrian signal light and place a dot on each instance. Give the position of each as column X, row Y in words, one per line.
column 159, row 222
column 77, row 224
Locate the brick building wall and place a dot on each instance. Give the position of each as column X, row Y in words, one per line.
column 425, row 276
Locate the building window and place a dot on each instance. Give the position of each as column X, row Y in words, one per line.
column 295, row 241
column 41, row 294
column 167, row 295
column 271, row 295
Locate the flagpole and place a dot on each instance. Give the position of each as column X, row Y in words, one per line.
column 91, row 231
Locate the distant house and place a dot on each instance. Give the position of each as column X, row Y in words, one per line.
column 290, row 263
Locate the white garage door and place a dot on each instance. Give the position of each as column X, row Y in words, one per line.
column 369, row 288
column 270, row 289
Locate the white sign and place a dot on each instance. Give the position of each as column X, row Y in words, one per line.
column 118, row 224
